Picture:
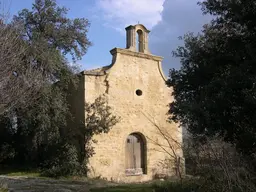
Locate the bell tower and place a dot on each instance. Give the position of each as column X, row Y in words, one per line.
column 142, row 32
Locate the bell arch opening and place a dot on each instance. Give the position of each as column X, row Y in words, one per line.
column 135, row 154
column 139, row 40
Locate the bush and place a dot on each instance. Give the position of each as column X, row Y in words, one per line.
column 219, row 166
column 64, row 163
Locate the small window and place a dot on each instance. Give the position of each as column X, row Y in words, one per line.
column 138, row 92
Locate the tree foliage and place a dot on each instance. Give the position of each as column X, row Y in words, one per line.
column 36, row 134
column 19, row 80
column 215, row 88
column 34, row 49
column 218, row 166
column 99, row 120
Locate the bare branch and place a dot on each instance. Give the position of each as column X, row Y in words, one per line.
column 19, row 80
column 171, row 149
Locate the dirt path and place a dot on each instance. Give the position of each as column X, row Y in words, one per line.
column 25, row 184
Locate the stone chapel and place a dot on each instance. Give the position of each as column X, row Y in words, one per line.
column 136, row 89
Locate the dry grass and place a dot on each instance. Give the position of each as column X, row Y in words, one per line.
column 3, row 187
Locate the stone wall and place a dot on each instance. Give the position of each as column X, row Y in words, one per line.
column 129, row 72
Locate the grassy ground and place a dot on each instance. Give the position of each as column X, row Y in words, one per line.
column 148, row 187
column 124, row 188
column 98, row 185
column 34, row 174
column 23, row 173
column 27, row 177
column 19, row 172
column 3, row 188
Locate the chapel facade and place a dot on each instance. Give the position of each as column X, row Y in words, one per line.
column 136, row 89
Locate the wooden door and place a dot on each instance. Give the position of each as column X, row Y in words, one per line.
column 134, row 154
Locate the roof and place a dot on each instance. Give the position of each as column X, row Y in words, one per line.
column 98, row 71
column 137, row 25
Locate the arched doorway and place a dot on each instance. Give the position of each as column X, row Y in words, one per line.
column 135, row 154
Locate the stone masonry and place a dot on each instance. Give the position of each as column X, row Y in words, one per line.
column 136, row 90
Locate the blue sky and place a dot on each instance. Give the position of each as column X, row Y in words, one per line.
column 167, row 20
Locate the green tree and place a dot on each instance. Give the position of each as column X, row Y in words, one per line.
column 39, row 135
column 214, row 89
column 33, row 51
column 49, row 37
column 19, row 81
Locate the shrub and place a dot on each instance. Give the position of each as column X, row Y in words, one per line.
column 64, row 163
column 219, row 166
